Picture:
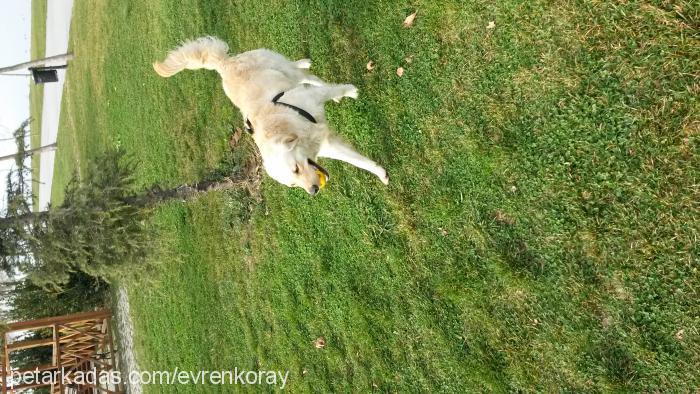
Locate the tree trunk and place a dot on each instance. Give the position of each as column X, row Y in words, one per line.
column 27, row 153
column 147, row 200
column 187, row 191
column 65, row 57
column 154, row 196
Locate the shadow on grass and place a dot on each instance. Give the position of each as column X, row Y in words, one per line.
column 509, row 239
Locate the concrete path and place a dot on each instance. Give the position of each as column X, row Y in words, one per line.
column 125, row 333
column 57, row 28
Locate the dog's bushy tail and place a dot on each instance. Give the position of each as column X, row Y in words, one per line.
column 203, row 52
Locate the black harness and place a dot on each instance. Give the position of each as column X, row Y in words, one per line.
column 275, row 100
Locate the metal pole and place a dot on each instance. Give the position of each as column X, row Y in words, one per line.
column 64, row 58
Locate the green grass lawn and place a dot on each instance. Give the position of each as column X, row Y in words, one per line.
column 36, row 92
column 540, row 231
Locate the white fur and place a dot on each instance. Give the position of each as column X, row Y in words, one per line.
column 285, row 139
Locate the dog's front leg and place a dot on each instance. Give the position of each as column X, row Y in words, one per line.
column 337, row 92
column 335, row 148
column 332, row 92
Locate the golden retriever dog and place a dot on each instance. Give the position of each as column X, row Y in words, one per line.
column 283, row 107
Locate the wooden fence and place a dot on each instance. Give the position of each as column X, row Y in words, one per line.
column 80, row 344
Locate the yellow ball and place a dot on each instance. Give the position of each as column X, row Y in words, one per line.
column 321, row 179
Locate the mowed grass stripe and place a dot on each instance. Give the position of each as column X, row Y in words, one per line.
column 37, row 50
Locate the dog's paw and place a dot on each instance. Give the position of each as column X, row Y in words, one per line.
column 347, row 91
column 351, row 91
column 304, row 64
column 383, row 176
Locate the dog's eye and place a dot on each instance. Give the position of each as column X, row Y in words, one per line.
column 296, row 169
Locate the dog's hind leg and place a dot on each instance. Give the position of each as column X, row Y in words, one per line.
column 335, row 148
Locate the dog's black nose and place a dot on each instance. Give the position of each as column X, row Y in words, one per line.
column 313, row 190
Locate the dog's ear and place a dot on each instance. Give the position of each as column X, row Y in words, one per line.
column 290, row 141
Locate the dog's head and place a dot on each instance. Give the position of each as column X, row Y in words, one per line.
column 291, row 160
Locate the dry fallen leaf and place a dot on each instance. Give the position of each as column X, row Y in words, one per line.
column 399, row 71
column 491, row 25
column 408, row 22
column 409, row 59
column 680, row 334
column 320, row 343
column 502, row 218
column 370, row 65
